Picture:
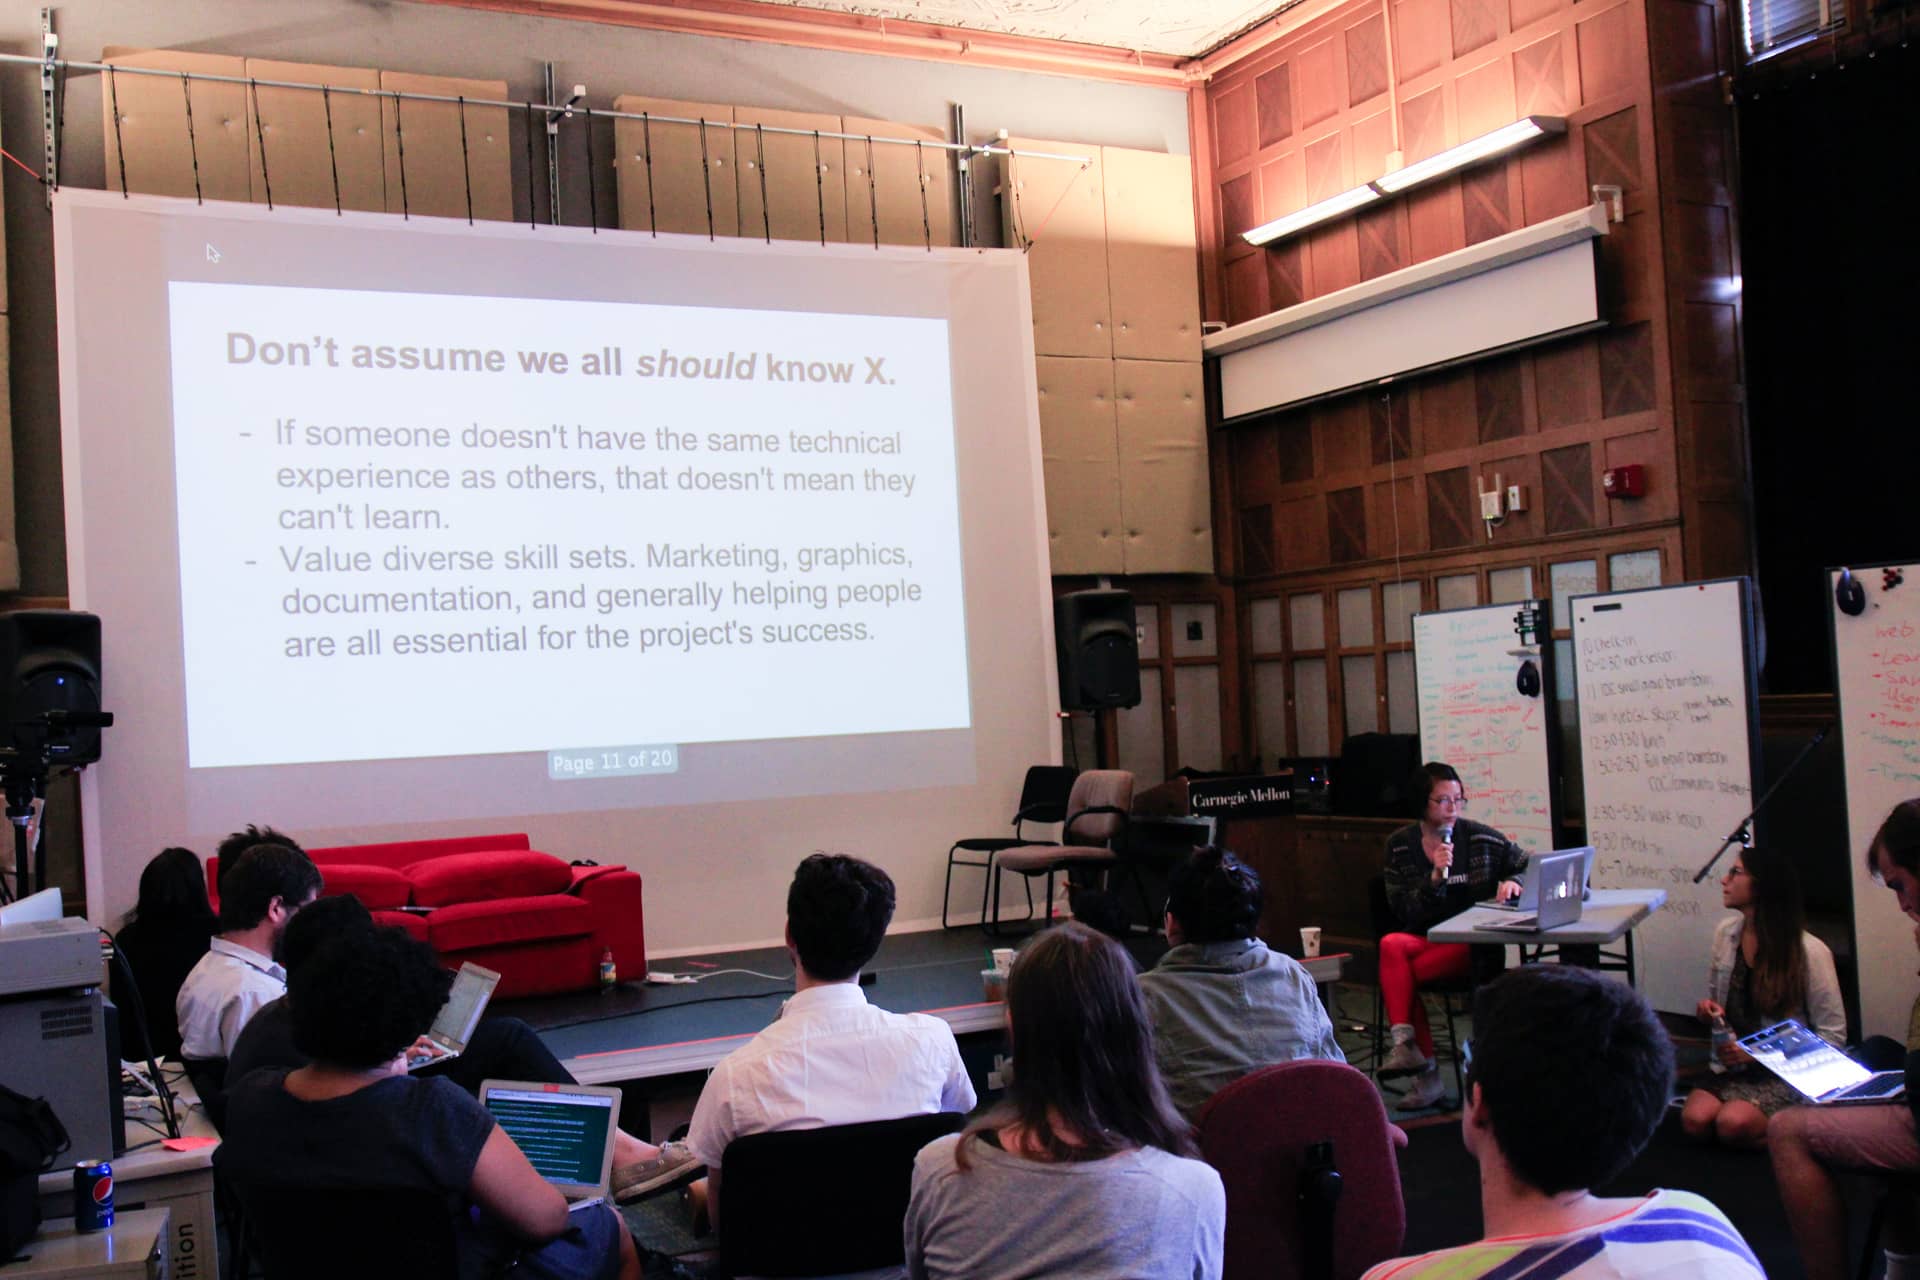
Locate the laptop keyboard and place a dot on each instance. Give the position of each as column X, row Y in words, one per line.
column 1879, row 1086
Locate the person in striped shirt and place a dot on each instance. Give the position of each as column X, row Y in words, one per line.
column 1568, row 1076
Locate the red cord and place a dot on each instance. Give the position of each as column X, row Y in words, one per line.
column 17, row 160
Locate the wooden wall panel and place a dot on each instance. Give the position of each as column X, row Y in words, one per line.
column 1058, row 208
column 1079, row 452
column 435, row 167
column 912, row 186
column 1164, row 496
column 1151, row 255
column 317, row 145
column 676, row 177
column 163, row 157
column 804, row 178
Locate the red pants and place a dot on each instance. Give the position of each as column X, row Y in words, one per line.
column 1406, row 961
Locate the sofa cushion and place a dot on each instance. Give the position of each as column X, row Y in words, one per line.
column 481, row 877
column 399, row 854
column 508, row 922
column 379, row 888
column 412, row 923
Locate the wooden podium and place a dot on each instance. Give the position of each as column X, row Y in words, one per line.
column 1253, row 817
column 1314, row 868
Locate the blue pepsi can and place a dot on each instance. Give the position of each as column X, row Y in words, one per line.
column 92, row 1195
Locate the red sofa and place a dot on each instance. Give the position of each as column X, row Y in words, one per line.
column 494, row 900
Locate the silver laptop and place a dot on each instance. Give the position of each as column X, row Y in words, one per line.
column 1560, row 880
column 453, row 1027
column 1529, row 899
column 565, row 1130
column 1818, row 1071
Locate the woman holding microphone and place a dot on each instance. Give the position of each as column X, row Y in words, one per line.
column 1436, row 867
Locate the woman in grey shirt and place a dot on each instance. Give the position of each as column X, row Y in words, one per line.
column 1085, row 1170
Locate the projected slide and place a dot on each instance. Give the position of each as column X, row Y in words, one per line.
column 665, row 525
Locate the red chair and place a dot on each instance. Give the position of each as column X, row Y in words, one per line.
column 1260, row 1133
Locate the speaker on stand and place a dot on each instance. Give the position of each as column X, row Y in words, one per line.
column 49, row 715
column 1098, row 650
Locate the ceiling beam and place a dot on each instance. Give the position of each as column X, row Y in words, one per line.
column 854, row 33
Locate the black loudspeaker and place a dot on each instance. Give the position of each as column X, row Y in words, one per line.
column 1093, row 633
column 50, row 685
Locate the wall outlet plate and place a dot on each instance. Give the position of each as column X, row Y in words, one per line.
column 1516, row 497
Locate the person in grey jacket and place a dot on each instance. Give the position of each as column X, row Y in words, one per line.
column 1221, row 1002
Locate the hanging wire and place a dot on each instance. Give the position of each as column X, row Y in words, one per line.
column 466, row 170
column 400, row 150
column 760, row 153
column 646, row 152
column 873, row 194
column 819, row 186
column 193, row 143
column 326, row 101
column 531, row 224
column 260, row 135
column 593, row 201
column 706, row 175
column 119, row 147
column 926, row 218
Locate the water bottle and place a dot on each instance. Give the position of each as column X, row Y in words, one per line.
column 608, row 974
column 1722, row 1036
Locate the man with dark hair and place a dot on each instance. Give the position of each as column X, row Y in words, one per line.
column 831, row 1058
column 1222, row 1003
column 260, row 890
column 1568, row 1076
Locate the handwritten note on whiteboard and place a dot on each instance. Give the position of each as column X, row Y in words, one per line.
column 1666, row 721
column 1876, row 656
column 1474, row 716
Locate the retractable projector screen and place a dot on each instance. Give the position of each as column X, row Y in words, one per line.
column 692, row 556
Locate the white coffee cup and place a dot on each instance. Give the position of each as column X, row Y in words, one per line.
column 1003, row 959
column 1310, row 940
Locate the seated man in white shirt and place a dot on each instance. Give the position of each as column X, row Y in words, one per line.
column 264, row 879
column 830, row 1058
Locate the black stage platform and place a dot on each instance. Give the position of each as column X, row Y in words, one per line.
column 638, row 1031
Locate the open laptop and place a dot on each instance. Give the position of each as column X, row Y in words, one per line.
column 1529, row 899
column 453, row 1026
column 1818, row 1071
column 1560, row 880
column 565, row 1130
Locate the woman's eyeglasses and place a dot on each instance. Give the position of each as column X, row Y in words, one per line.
column 1450, row 802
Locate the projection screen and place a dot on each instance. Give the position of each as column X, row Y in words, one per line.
column 691, row 556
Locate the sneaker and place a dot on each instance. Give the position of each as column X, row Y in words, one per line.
column 1405, row 1060
column 674, row 1165
column 1427, row 1091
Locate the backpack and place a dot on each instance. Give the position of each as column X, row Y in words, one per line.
column 31, row 1139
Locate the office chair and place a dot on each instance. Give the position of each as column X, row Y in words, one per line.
column 819, row 1202
column 1094, row 837
column 1310, row 1165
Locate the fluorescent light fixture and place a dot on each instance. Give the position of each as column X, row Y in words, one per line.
column 1301, row 219
column 1487, row 145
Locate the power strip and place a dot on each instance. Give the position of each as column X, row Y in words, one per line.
column 662, row 979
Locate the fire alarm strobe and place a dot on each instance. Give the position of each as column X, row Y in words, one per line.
column 1629, row 481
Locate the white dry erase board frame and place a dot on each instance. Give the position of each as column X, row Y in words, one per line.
column 1474, row 717
column 1669, row 732
column 1876, row 675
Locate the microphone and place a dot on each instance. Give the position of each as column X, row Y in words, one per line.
column 1446, row 834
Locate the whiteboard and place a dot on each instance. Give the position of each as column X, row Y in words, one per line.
column 1474, row 717
column 1876, row 659
column 1666, row 701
